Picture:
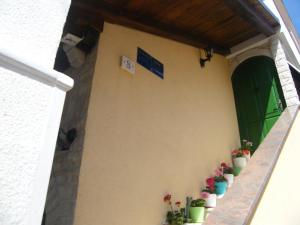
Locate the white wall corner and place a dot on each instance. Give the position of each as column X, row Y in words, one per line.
column 31, row 102
column 287, row 41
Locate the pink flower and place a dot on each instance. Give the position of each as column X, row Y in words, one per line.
column 234, row 152
column 178, row 204
column 219, row 172
column 204, row 194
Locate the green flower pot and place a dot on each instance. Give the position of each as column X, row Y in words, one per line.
column 197, row 214
column 236, row 171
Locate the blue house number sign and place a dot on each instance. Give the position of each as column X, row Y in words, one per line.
column 150, row 63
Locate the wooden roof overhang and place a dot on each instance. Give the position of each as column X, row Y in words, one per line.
column 220, row 24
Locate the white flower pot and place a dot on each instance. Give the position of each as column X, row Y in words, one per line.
column 240, row 162
column 247, row 156
column 229, row 178
column 211, row 201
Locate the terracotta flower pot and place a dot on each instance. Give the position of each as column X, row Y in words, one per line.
column 229, row 178
column 240, row 162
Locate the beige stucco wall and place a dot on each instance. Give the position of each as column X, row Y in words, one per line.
column 146, row 136
column 280, row 203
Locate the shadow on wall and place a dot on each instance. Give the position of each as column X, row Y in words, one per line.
column 62, row 190
column 296, row 78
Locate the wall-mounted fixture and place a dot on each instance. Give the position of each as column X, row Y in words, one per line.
column 127, row 64
column 65, row 139
column 150, row 63
column 208, row 54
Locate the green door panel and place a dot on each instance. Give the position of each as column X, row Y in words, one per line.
column 271, row 103
column 256, row 137
column 257, row 94
column 269, row 122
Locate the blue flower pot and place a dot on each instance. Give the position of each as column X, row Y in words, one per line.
column 220, row 187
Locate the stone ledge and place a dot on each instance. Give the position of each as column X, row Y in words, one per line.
column 240, row 202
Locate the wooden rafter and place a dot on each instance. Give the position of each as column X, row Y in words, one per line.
column 248, row 13
column 122, row 17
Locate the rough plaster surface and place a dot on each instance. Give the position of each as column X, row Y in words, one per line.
column 31, row 103
column 30, row 112
column 62, row 191
column 146, row 136
column 20, row 136
column 32, row 28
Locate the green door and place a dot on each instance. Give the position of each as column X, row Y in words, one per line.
column 258, row 98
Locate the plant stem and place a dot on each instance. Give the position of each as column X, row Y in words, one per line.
column 170, row 203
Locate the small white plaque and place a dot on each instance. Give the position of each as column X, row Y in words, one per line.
column 127, row 64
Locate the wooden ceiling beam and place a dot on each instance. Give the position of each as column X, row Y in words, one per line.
column 121, row 17
column 249, row 14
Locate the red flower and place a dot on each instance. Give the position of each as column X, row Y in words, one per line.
column 177, row 204
column 224, row 165
column 211, row 188
column 246, row 152
column 167, row 198
column 210, row 182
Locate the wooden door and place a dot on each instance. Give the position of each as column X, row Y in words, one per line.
column 258, row 98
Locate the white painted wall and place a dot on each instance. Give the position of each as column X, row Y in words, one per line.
column 280, row 203
column 31, row 101
column 289, row 45
column 31, row 29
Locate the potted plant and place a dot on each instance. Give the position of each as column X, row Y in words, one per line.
column 247, row 148
column 177, row 216
column 210, row 197
column 239, row 159
column 220, row 183
column 236, row 170
column 228, row 173
column 242, row 155
column 197, row 211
